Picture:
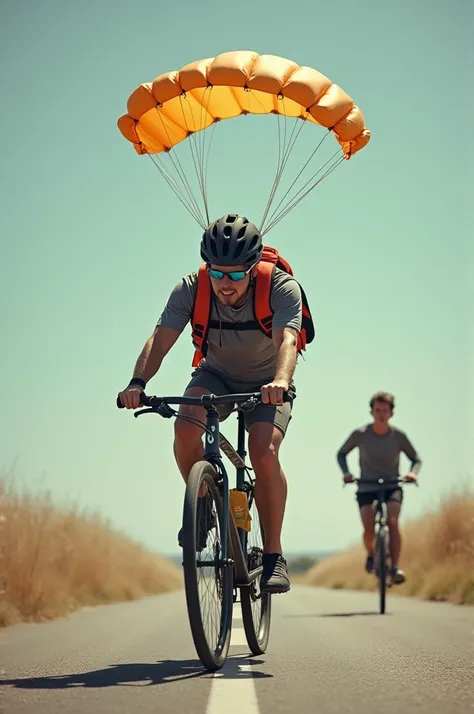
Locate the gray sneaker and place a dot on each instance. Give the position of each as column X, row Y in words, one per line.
column 398, row 576
column 275, row 574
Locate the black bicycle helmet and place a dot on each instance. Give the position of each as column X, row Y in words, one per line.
column 231, row 240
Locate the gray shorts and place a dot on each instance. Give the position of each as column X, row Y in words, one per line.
column 279, row 415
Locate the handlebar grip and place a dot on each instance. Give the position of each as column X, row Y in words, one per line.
column 143, row 399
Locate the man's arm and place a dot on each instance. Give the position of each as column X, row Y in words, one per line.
column 407, row 447
column 284, row 340
column 154, row 351
column 345, row 449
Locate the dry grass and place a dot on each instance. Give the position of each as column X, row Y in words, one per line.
column 437, row 556
column 54, row 562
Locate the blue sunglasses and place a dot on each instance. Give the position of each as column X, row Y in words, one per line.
column 234, row 275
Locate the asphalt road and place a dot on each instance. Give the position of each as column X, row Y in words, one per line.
column 329, row 652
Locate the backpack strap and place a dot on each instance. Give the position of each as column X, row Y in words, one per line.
column 201, row 313
column 261, row 297
column 263, row 310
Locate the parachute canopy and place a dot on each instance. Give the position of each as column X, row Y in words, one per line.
column 177, row 104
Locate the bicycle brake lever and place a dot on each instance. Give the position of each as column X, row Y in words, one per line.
column 249, row 405
column 165, row 411
column 149, row 410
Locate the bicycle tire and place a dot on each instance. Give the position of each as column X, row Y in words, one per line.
column 382, row 568
column 257, row 635
column 211, row 657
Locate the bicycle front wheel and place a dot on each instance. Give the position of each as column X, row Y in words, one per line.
column 382, row 567
column 208, row 579
column 256, row 608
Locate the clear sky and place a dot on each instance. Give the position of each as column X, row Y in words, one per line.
column 93, row 241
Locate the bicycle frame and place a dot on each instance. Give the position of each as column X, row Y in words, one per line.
column 214, row 442
column 381, row 508
column 212, row 453
column 381, row 523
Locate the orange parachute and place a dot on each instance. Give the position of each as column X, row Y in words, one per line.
column 158, row 118
column 178, row 105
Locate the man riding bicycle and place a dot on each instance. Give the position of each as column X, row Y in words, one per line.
column 380, row 446
column 239, row 357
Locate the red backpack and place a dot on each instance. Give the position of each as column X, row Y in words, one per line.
column 263, row 312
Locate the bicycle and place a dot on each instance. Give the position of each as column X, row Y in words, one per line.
column 382, row 560
column 234, row 563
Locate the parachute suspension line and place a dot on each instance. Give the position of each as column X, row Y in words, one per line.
column 206, row 203
column 204, row 155
column 295, row 201
column 275, row 180
column 298, row 176
column 197, row 145
column 182, row 175
column 284, row 161
column 192, row 146
column 301, row 194
column 178, row 191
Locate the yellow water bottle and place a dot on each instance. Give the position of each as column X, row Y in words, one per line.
column 240, row 509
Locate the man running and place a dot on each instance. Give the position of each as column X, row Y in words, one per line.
column 380, row 446
column 239, row 357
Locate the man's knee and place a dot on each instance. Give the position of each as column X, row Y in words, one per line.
column 264, row 444
column 393, row 521
column 393, row 514
column 186, row 433
column 368, row 519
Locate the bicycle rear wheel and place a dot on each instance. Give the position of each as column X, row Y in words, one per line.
column 256, row 608
column 208, row 580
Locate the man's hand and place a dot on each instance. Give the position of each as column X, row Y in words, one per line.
column 348, row 478
column 410, row 477
column 273, row 393
column 130, row 397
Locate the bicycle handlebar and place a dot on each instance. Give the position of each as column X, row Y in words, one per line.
column 208, row 401
column 383, row 482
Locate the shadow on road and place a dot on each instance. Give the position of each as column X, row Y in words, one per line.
column 139, row 674
column 341, row 614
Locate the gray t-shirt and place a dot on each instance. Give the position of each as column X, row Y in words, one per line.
column 246, row 356
column 379, row 455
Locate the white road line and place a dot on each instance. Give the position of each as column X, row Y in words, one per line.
column 233, row 690
column 238, row 636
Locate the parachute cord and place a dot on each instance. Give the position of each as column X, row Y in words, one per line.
column 180, row 171
column 280, row 159
column 281, row 167
column 296, row 199
column 177, row 191
column 275, row 211
column 194, row 151
column 293, row 203
column 206, row 203
column 275, row 180
column 197, row 148
column 205, row 160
